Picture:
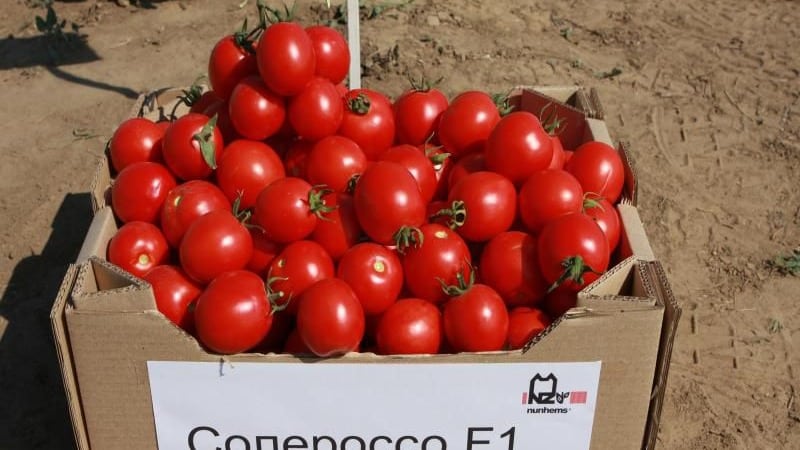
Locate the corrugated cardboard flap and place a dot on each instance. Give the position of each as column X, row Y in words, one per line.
column 102, row 286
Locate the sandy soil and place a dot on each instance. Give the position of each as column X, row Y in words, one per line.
column 708, row 96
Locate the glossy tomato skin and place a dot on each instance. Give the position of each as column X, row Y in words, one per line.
column 215, row 243
column 138, row 247
column 518, row 146
column 510, row 266
column 246, row 168
column 330, row 319
column 476, row 320
column 228, row 65
column 174, row 293
column 442, row 255
column 185, row 203
column 559, row 301
column 418, row 164
column 340, row 230
column 286, row 58
column 569, row 236
column 297, row 267
column 547, row 195
column 233, row 314
column 417, row 114
column 135, row 140
column 471, row 163
column 369, row 121
column 599, row 169
column 559, row 157
column 317, row 111
column 467, row 123
column 256, row 112
column 387, row 198
column 524, row 324
column 410, row 326
column 334, row 161
column 284, row 212
column 182, row 150
column 139, row 191
column 490, row 201
column 374, row 273
column 264, row 251
column 607, row 218
column 331, row 52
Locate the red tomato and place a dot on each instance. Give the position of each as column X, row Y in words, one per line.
column 206, row 100
column 439, row 254
column 509, row 265
column 375, row 274
column 317, row 111
column 286, row 58
column 410, row 326
column 369, row 121
column 289, row 208
column 573, row 251
column 297, row 267
column 524, row 324
column 135, row 140
column 274, row 341
column 475, row 319
column 467, row 123
column 264, row 251
column 294, row 344
column 559, row 301
column 246, row 168
column 606, row 217
column 442, row 165
column 330, row 319
column 256, row 112
column 518, row 147
column 599, row 169
column 559, row 157
column 567, row 156
column 234, row 313
column 331, row 51
column 340, row 229
column 229, row 64
column 192, row 146
column 139, row 191
column 418, row 164
column 174, row 293
column 296, row 159
column 387, row 198
column 334, row 161
column 471, row 163
column 489, row 205
column 138, row 247
column 547, row 195
column 220, row 109
column 185, row 203
column 417, row 113
column 215, row 243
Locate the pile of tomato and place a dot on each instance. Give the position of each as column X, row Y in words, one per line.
column 287, row 213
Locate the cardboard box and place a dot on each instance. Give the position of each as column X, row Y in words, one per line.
column 107, row 327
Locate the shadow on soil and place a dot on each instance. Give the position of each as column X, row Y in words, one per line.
column 33, row 410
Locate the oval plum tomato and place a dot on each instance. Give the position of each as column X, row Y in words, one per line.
column 438, row 254
column 475, row 319
column 547, row 195
column 289, row 208
column 417, row 113
column 467, row 123
column 286, row 58
column 484, row 204
column 138, row 247
column 139, row 191
column 387, row 198
column 606, row 217
column 573, row 251
column 369, row 121
column 509, row 265
column 264, row 251
column 331, row 52
column 340, row 229
column 524, row 324
column 298, row 266
column 375, row 274
column 334, row 161
column 234, row 313
column 135, row 140
column 471, row 163
column 205, row 101
column 330, row 319
column 192, row 145
column 419, row 165
column 317, row 111
column 215, row 243
column 246, row 168
column 174, row 293
column 410, row 326
column 559, row 157
column 256, row 112
column 599, row 169
column 518, row 146
column 296, row 159
column 220, row 109
column 185, row 203
column 228, row 64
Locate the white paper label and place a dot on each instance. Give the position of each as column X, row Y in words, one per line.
column 276, row 406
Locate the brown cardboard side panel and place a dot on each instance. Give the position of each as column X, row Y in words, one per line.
column 633, row 239
column 631, row 187
column 101, row 230
column 101, row 185
column 101, row 286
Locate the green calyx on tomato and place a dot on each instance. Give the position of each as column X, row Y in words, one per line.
column 245, row 39
column 423, row 84
column 205, row 138
column 316, row 204
column 589, row 203
column 462, row 284
column 407, row 237
column 503, row 103
column 456, row 214
column 574, row 269
column 275, row 297
column 360, row 104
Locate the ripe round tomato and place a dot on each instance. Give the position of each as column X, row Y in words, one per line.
column 467, row 123
column 606, row 217
column 286, row 58
column 331, row 52
column 135, row 140
column 471, row 163
column 369, row 121
column 439, row 254
column 185, row 203
column 417, row 113
column 288, row 209
column 375, row 274
column 330, row 319
column 296, row 159
column 410, row 326
column 559, row 157
column 174, row 293
column 509, row 265
column 387, row 198
column 139, row 191
column 518, row 147
column 489, row 205
column 547, row 195
column 340, row 229
column 524, row 324
column 234, row 313
column 191, row 147
column 298, row 266
column 246, row 168
column 334, row 161
column 228, row 64
column 264, row 251
column 573, row 251
column 317, row 111
column 419, row 165
column 138, row 247
column 256, row 112
column 476, row 320
column 215, row 243
column 599, row 169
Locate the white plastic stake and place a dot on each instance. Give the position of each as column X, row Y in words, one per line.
column 354, row 41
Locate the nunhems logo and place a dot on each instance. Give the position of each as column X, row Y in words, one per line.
column 543, row 391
